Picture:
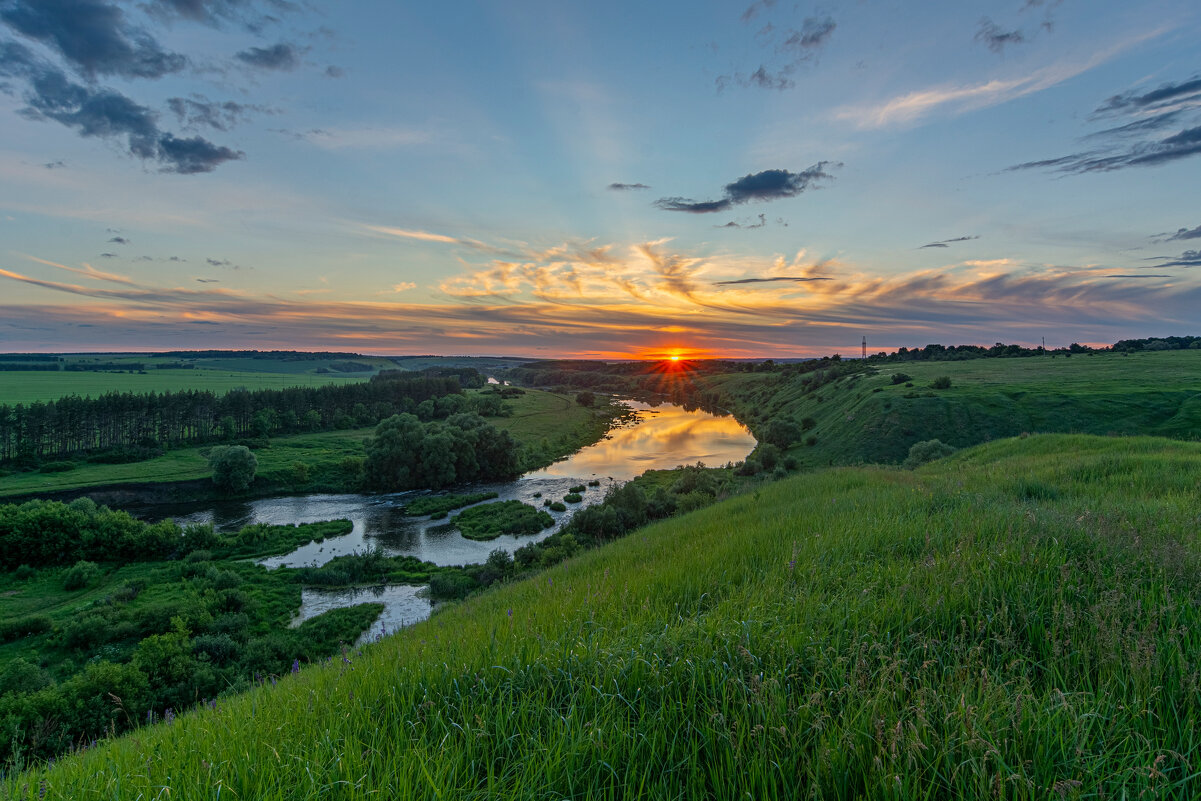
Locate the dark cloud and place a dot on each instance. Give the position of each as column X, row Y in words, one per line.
column 119, row 240
column 108, row 255
column 948, row 242
column 795, row 278
column 220, row 262
column 253, row 15
column 1140, row 275
column 627, row 187
column 754, row 8
column 93, row 35
column 766, row 185
column 1166, row 95
column 1178, row 146
column 198, row 111
column 334, row 71
column 1141, row 142
column 1189, row 258
column 94, row 111
column 281, row 56
column 813, row 34
column 209, row 280
column 795, row 46
column 55, row 165
column 995, row 37
column 693, row 206
column 1182, row 234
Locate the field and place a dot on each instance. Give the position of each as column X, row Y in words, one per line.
column 868, row 419
column 217, row 374
column 1017, row 621
column 537, row 416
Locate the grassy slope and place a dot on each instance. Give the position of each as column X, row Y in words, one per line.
column 1020, row 619
column 1146, row 393
column 536, row 415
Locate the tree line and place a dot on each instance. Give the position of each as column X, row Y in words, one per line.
column 130, row 424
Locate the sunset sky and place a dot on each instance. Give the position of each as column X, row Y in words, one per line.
column 609, row 179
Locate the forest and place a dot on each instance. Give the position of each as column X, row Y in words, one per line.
column 122, row 426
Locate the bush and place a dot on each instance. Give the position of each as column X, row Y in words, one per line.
column 942, row 382
column 808, row 424
column 24, row 573
column 585, row 398
column 573, row 497
column 927, row 451
column 80, row 575
column 557, row 506
column 577, row 488
column 901, row 378
column 56, row 467
column 452, row 584
column 811, row 440
column 233, row 467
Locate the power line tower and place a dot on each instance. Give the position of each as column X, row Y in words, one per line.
column 865, row 347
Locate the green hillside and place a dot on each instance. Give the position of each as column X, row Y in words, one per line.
column 1020, row 620
column 863, row 417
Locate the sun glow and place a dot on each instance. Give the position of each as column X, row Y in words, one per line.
column 675, row 358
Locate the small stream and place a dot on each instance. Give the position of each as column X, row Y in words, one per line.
column 660, row 437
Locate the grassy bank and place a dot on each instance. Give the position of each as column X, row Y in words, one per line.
column 1017, row 621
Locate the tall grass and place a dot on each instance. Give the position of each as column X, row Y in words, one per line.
column 942, row 633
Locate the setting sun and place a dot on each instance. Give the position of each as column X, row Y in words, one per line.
column 675, row 358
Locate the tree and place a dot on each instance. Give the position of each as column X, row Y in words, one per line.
column 585, row 398
column 233, row 467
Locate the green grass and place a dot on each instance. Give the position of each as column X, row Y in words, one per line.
column 859, row 632
column 26, row 387
column 867, row 419
column 490, row 520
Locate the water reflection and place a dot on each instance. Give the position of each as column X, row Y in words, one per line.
column 403, row 606
column 661, row 438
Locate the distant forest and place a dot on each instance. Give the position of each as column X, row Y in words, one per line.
column 125, row 426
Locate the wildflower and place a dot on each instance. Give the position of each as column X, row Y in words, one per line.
column 295, row 666
column 792, row 564
column 168, row 715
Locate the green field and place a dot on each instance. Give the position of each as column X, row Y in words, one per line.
column 1018, row 621
column 27, row 387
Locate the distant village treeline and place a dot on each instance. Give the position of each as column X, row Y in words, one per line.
column 125, row 426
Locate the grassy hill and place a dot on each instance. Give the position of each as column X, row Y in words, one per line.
column 865, row 418
column 1020, row 620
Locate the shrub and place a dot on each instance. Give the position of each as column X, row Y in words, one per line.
column 901, row 378
column 573, row 497
column 557, row 506
column 80, row 575
column 24, row 573
column 585, row 398
column 942, row 382
column 811, row 440
column 233, row 467
column 927, row 451
column 56, row 467
column 577, row 488
column 808, row 424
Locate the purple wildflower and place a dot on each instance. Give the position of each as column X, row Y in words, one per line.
column 169, row 715
column 295, row 665
column 510, row 613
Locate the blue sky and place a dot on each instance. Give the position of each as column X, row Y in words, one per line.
column 775, row 178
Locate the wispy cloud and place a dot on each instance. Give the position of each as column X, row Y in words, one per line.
column 910, row 107
column 943, row 243
column 1142, row 141
column 627, row 187
column 87, row 270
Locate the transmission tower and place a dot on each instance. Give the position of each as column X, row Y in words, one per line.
column 865, row 347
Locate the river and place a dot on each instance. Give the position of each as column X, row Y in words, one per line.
column 659, row 437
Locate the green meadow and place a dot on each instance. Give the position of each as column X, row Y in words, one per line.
column 1017, row 621
column 27, row 387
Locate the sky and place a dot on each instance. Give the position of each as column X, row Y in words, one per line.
column 608, row 180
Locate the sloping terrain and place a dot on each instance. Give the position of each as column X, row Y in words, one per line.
column 1020, row 620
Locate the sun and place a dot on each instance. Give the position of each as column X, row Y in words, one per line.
column 675, row 358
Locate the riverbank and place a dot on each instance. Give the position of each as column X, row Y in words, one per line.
column 548, row 425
